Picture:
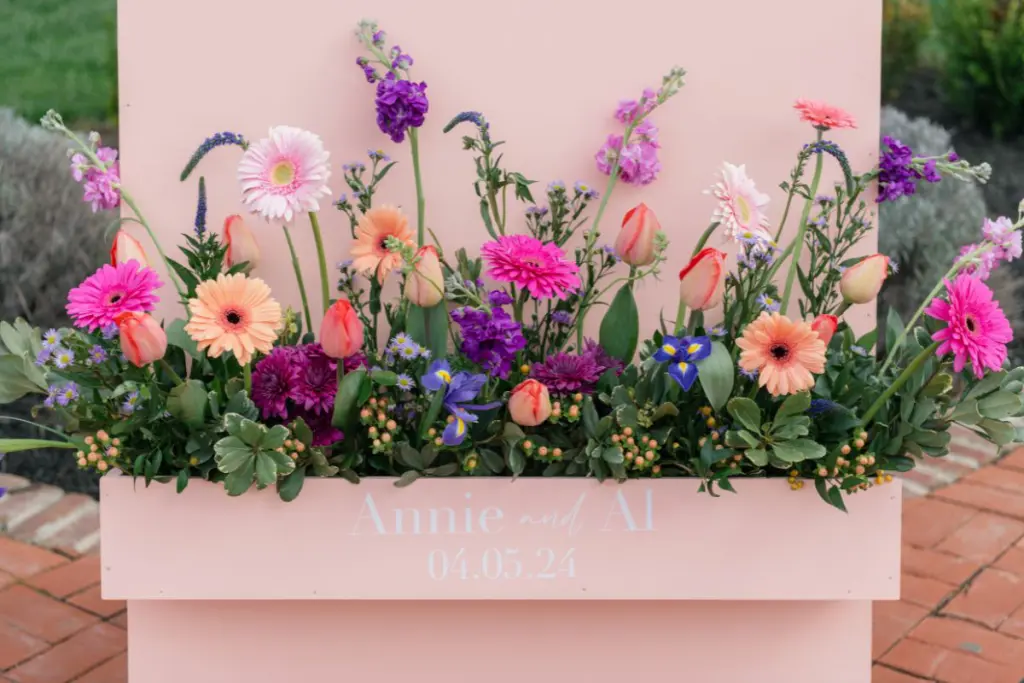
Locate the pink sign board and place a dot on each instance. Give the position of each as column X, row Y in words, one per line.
column 497, row 539
column 548, row 76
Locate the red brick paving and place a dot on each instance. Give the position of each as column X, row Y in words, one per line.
column 960, row 620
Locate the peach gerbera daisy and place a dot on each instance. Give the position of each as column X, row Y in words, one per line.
column 783, row 352
column 234, row 313
column 824, row 116
column 370, row 253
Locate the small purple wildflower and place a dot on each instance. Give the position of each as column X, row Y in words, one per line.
column 561, row 317
column 585, row 190
column 51, row 395
column 43, row 357
column 51, row 340
column 110, row 331
column 131, row 403
column 749, row 374
column 769, row 304
column 378, row 155
column 68, row 394
column 97, row 355
column 556, row 187
column 406, row 383
column 62, row 357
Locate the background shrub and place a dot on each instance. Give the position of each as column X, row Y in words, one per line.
column 50, row 240
column 983, row 58
column 905, row 26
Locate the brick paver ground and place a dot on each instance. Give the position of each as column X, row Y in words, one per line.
column 960, row 620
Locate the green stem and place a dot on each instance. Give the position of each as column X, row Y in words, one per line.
column 34, row 424
column 785, row 211
column 414, row 146
column 127, row 199
column 325, row 286
column 911, row 370
column 798, row 243
column 298, row 278
column 247, row 373
column 170, row 371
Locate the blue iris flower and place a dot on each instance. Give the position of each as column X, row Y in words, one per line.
column 460, row 389
column 682, row 353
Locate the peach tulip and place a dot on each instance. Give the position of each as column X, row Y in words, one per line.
column 241, row 243
column 825, row 325
column 702, row 281
column 143, row 341
column 861, row 283
column 529, row 404
column 425, row 285
column 635, row 243
column 126, row 248
column 341, row 332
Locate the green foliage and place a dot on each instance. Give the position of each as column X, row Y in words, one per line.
column 429, row 327
column 19, row 375
column 620, row 327
column 251, row 452
column 983, row 46
column 905, row 26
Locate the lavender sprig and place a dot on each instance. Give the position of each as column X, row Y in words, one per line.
column 208, row 145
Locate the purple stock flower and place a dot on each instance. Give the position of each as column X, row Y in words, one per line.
column 561, row 317
column 629, row 109
column 638, row 162
column 401, row 105
column 491, row 340
column 499, row 297
column 897, row 176
column 99, row 184
column 1006, row 239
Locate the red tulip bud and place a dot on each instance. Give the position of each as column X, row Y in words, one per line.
column 825, row 325
column 341, row 333
column 635, row 243
column 143, row 341
column 861, row 283
column 702, row 281
column 425, row 285
column 241, row 243
column 126, row 248
column 529, row 404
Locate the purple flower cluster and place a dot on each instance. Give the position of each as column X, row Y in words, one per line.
column 897, row 176
column 638, row 160
column 300, row 381
column 491, row 340
column 100, row 185
column 568, row 373
column 1006, row 246
column 400, row 105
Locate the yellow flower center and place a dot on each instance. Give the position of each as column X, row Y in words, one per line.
column 743, row 208
column 693, row 348
column 682, row 366
column 445, row 376
column 669, row 349
column 283, row 173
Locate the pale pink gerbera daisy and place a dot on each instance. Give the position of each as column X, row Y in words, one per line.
column 823, row 116
column 284, row 174
column 111, row 291
column 540, row 268
column 740, row 205
column 977, row 330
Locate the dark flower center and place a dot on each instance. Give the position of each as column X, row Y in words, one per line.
column 780, row 351
column 971, row 323
column 233, row 317
column 383, row 244
column 115, row 297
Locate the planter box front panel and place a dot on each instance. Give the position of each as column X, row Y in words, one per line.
column 497, row 539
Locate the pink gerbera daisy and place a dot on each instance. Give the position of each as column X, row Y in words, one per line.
column 740, row 205
column 823, row 116
column 111, row 291
column 977, row 330
column 285, row 173
column 540, row 268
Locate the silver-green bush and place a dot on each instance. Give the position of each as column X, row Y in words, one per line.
column 49, row 239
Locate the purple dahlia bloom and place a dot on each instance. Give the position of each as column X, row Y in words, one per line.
column 316, row 380
column 567, row 373
column 272, row 381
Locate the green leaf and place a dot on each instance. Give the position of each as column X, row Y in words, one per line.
column 288, row 488
column 612, row 455
column 429, row 327
column 177, row 336
column 710, row 454
column 17, row 445
column 620, row 327
column 384, row 378
column 590, row 418
column 350, row 390
column 16, row 343
column 990, row 383
column 790, row 430
column 266, row 470
column 232, row 453
column 407, row 478
column 182, row 480
column 1001, row 433
column 758, row 456
column 999, row 404
column 187, row 402
column 239, row 481
column 798, row 450
column 717, row 375
column 797, row 404
column 893, row 328
column 746, row 412
column 433, row 411
column 939, row 385
column 19, row 377
column 627, row 416
column 929, row 438
column 302, row 432
column 665, row 410
column 516, row 461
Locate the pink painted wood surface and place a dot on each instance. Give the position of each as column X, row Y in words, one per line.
column 495, row 539
column 548, row 75
column 507, row 642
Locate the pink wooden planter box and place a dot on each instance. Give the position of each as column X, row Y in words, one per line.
column 465, row 579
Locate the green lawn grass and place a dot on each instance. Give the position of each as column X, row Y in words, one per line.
column 59, row 54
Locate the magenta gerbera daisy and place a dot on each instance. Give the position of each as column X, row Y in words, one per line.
column 111, row 291
column 540, row 268
column 977, row 329
column 285, row 173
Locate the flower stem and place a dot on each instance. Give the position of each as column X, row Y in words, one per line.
column 798, row 243
column 325, row 286
column 170, row 371
column 414, row 146
column 247, row 373
column 127, row 199
column 912, row 369
column 298, row 277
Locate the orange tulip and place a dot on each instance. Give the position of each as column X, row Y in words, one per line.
column 126, row 248
column 825, row 325
column 341, row 332
column 635, row 243
column 702, row 281
column 241, row 243
column 861, row 283
column 530, row 403
column 143, row 341
column 425, row 285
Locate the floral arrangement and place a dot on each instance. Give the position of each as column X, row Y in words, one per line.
column 481, row 366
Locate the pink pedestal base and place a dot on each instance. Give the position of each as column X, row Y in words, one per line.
column 173, row 641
